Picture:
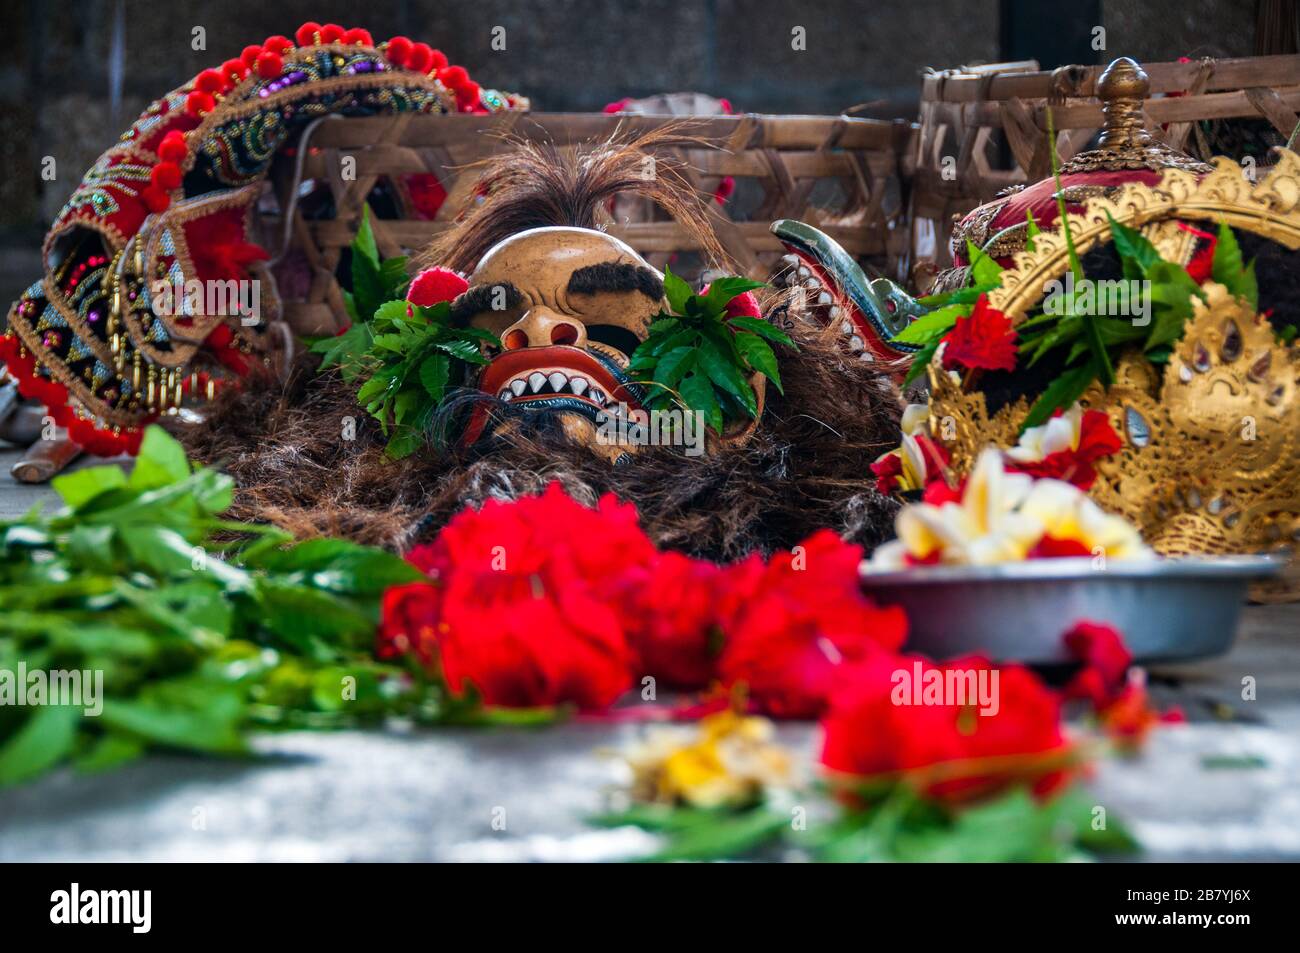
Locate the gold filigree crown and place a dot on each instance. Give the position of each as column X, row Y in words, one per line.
column 1210, row 461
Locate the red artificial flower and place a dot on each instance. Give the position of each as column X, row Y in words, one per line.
column 671, row 618
column 986, row 339
column 532, row 640
column 881, row 727
column 1053, row 547
column 1202, row 264
column 528, row 613
column 1129, row 717
column 435, row 285
column 1097, row 439
column 806, row 617
column 1117, row 692
column 409, row 617
column 937, row 492
column 1105, row 659
column 887, row 470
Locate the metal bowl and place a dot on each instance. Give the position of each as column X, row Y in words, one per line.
column 1168, row 609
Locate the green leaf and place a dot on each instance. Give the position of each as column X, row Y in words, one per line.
column 929, row 328
column 673, row 365
column 111, row 751
column 207, row 720
column 43, row 740
column 920, row 362
column 363, row 245
column 1136, row 252
column 393, row 276
column 760, row 356
column 724, row 374
column 1032, row 230
column 968, row 295
column 764, row 329
column 1248, row 286
column 723, row 290
column 160, row 462
column 1060, row 394
column 462, row 350
column 345, row 350
column 983, row 269
column 697, row 392
column 81, row 486
column 433, row 375
column 1227, row 266
column 676, row 291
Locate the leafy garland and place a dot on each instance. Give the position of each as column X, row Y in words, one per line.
column 404, row 355
column 699, row 356
column 1094, row 341
column 204, row 629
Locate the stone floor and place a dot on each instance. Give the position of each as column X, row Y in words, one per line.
column 436, row 795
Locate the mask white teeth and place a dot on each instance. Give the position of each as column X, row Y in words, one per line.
column 825, row 298
column 812, row 284
column 505, row 394
column 803, row 270
column 846, row 326
column 597, row 395
column 856, row 343
column 558, row 382
column 517, row 385
column 536, row 381
column 866, row 357
column 835, row 311
column 578, row 385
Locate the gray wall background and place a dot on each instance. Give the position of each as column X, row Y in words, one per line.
column 57, row 75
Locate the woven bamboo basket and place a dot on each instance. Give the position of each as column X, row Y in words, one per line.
column 983, row 129
column 842, row 174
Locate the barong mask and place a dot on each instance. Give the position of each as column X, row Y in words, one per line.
column 569, row 302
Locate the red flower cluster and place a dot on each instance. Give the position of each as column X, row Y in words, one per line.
column 985, row 339
column 879, row 729
column 544, row 601
column 798, row 622
column 519, row 604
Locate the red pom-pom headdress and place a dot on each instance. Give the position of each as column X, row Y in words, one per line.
column 111, row 337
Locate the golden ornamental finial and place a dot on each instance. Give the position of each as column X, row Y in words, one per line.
column 1124, row 142
column 1121, row 88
